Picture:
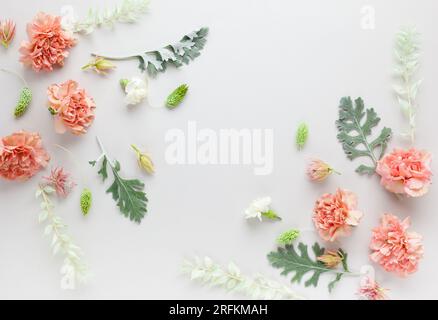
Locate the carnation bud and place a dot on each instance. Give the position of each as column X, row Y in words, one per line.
column 144, row 161
column 318, row 170
column 331, row 259
column 7, row 32
column 100, row 65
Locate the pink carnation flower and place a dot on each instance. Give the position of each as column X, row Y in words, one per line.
column 72, row 107
column 61, row 181
column 371, row 290
column 48, row 43
column 22, row 155
column 406, row 172
column 395, row 249
column 335, row 214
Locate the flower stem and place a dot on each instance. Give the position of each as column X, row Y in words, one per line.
column 104, row 154
column 114, row 58
column 15, row 74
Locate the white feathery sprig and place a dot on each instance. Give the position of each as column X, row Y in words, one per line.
column 231, row 279
column 73, row 270
column 128, row 11
column 407, row 56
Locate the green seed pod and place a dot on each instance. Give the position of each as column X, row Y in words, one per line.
column 177, row 96
column 86, row 199
column 23, row 102
column 288, row 237
column 301, row 135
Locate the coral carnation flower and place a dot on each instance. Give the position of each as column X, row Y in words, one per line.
column 48, row 43
column 406, row 172
column 394, row 248
column 72, row 107
column 335, row 214
column 22, row 155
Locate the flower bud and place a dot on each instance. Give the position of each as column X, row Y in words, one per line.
column 100, row 65
column 318, row 170
column 144, row 161
column 7, row 32
column 331, row 259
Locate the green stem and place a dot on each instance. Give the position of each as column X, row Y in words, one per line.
column 89, row 65
column 114, row 58
column 104, row 154
column 15, row 74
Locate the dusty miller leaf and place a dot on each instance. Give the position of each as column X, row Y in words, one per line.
column 355, row 126
column 299, row 263
column 128, row 194
column 103, row 170
column 188, row 48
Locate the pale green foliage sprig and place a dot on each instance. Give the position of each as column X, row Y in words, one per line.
column 355, row 126
column 407, row 58
column 300, row 263
column 231, row 279
column 301, row 135
column 176, row 54
column 128, row 11
column 177, row 96
column 73, row 270
column 128, row 193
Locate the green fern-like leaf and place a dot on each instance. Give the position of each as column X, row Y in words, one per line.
column 299, row 263
column 177, row 96
column 355, row 126
column 128, row 194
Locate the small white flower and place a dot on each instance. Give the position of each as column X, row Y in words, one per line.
column 258, row 207
column 136, row 90
column 68, row 19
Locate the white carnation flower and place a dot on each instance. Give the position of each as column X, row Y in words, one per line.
column 258, row 207
column 136, row 90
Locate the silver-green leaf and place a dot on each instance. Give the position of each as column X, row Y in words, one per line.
column 355, row 125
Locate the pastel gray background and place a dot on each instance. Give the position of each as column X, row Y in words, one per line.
column 267, row 64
